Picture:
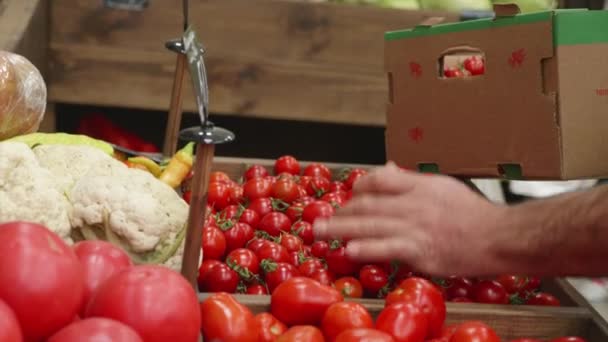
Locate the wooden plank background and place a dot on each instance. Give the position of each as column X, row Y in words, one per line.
column 266, row 58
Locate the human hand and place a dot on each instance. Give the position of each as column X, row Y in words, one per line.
column 435, row 224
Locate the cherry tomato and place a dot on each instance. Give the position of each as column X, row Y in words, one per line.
column 238, row 235
column 250, row 217
column 532, row 284
column 286, row 190
column 490, row 292
column 235, row 194
column 275, row 223
column 317, row 209
column 343, row 316
column 100, row 261
column 453, row 72
column 364, row 335
column 405, row 322
column 262, row 206
column 257, row 188
column 213, row 243
column 243, row 258
column 158, row 303
column 568, row 339
column 474, row 65
column 187, row 196
column 302, row 333
column 256, row 244
column 512, row 283
column 353, row 176
column 287, row 164
column 373, row 278
column 301, row 300
column 424, row 294
column 225, row 319
column 323, row 276
column 96, row 329
column 474, row 331
column 291, row 243
column 255, row 171
column 256, row 289
column 543, row 298
column 276, row 273
column 349, row 287
column 306, row 200
column 339, row 263
column 337, row 186
column 273, row 252
column 304, row 231
column 218, row 195
column 217, row 277
column 269, row 327
column 337, row 198
column 38, row 271
column 219, row 176
column 317, row 170
column 294, row 211
column 317, row 186
column 459, row 287
column 231, row 212
column 309, row 266
column 9, row 326
column 319, row 249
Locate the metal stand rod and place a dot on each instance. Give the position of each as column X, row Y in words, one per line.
column 175, row 113
column 196, row 216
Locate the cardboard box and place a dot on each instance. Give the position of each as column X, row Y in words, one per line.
column 540, row 110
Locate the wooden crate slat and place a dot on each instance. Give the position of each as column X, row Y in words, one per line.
column 268, row 58
column 509, row 322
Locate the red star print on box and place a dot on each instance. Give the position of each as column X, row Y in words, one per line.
column 415, row 69
column 517, row 58
column 416, row 134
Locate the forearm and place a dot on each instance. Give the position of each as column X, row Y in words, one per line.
column 562, row 236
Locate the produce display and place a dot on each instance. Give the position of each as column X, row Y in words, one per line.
column 82, row 190
column 90, row 291
column 260, row 234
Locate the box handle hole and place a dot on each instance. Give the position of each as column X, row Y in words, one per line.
column 461, row 62
column 510, row 171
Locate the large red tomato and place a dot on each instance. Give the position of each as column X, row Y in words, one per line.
column 38, row 271
column 424, row 294
column 342, row 316
column 9, row 326
column 302, row 333
column 404, row 321
column 155, row 301
column 225, row 319
column 301, row 300
column 474, row 331
column 94, row 330
column 364, row 335
column 100, row 261
column 269, row 327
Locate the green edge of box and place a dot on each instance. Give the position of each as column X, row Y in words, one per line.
column 571, row 26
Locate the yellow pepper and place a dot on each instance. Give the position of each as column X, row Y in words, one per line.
column 179, row 166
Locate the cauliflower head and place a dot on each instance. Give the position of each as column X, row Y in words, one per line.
column 28, row 192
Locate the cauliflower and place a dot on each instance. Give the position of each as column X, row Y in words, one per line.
column 69, row 163
column 28, row 192
column 132, row 208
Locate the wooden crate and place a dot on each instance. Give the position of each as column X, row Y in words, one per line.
column 235, row 167
column 510, row 322
column 279, row 59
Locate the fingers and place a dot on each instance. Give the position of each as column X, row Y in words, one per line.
column 352, row 227
column 388, row 179
column 381, row 249
column 372, row 205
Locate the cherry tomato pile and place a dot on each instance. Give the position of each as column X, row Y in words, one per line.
column 91, row 291
column 260, row 234
column 471, row 66
column 304, row 310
